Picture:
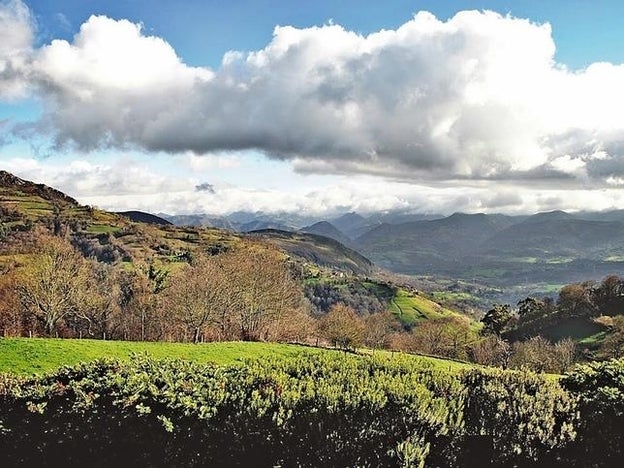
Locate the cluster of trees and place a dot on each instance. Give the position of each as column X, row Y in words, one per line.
column 456, row 337
column 252, row 293
column 247, row 294
column 589, row 305
column 447, row 337
column 536, row 353
column 343, row 328
column 323, row 295
column 587, row 299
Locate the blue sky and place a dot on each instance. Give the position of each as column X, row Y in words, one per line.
column 136, row 107
column 201, row 31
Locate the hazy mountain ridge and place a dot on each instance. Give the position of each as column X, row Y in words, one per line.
column 554, row 247
column 327, row 229
column 550, row 247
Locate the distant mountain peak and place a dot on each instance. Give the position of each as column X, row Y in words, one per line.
column 549, row 216
column 327, row 229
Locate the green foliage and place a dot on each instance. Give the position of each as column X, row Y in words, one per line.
column 599, row 387
column 497, row 318
column 306, row 411
column 324, row 409
column 517, row 416
column 412, row 453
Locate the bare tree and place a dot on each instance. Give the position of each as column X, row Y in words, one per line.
column 198, row 295
column 491, row 351
column 11, row 319
column 449, row 337
column 379, row 328
column 262, row 290
column 54, row 284
column 342, row 327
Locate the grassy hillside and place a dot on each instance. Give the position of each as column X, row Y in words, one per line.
column 411, row 308
column 36, row 355
column 111, row 237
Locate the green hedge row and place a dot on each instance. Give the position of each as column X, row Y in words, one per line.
column 309, row 410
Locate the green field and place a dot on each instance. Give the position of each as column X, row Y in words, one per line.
column 38, row 355
column 411, row 308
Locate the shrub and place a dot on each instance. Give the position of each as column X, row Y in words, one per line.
column 327, row 409
column 516, row 417
column 599, row 387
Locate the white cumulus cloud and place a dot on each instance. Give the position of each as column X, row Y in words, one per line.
column 478, row 96
column 16, row 36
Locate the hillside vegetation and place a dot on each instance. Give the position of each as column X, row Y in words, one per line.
column 411, row 308
column 336, row 410
column 74, row 271
column 77, row 271
column 111, row 237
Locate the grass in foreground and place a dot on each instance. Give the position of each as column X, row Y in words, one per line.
column 26, row 356
column 37, row 355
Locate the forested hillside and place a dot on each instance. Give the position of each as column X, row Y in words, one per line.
column 77, row 271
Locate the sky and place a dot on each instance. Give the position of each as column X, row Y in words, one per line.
column 316, row 108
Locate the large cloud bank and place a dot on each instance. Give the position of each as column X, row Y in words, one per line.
column 478, row 96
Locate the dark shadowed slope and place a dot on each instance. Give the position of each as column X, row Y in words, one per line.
column 325, row 228
column 143, row 217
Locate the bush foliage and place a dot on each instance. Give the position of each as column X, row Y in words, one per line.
column 307, row 410
column 599, row 387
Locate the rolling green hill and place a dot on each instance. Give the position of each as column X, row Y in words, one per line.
column 411, row 308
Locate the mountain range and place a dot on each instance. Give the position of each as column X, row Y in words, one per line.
column 548, row 248
column 544, row 250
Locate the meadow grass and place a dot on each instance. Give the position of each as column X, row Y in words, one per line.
column 27, row 356
column 37, row 355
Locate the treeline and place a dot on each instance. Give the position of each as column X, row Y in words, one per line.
column 311, row 410
column 253, row 292
column 247, row 293
column 323, row 295
column 589, row 307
